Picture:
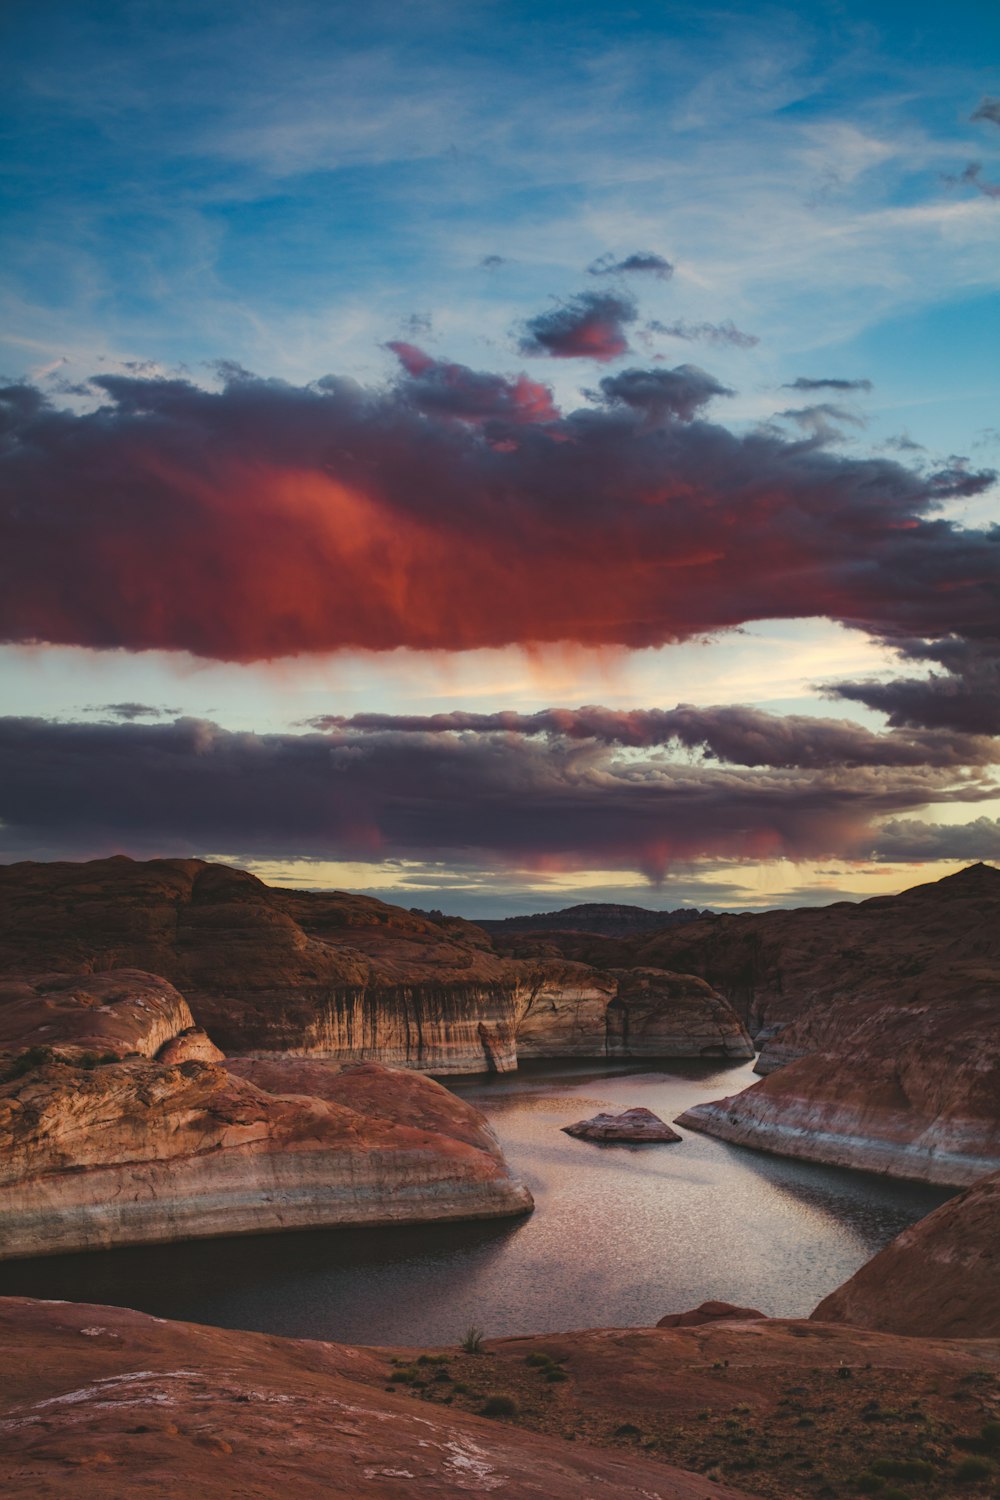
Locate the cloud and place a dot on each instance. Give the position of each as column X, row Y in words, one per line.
column 803, row 383
column 642, row 261
column 966, row 699
column 972, row 176
column 131, row 711
column 709, row 333
column 736, row 735
column 450, row 511
column 449, row 390
column 911, row 840
column 661, row 394
column 588, row 326
column 988, row 109
column 556, row 804
column 492, row 262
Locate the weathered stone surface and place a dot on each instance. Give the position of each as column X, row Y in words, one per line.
column 192, row 1045
column 102, row 1402
column 330, row 975
column 709, row 1312
column 636, row 1124
column 910, row 1090
column 138, row 1152
column 939, row 1278
column 122, row 1012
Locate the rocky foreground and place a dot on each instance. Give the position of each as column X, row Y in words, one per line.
column 335, row 976
column 110, row 1402
column 121, row 1123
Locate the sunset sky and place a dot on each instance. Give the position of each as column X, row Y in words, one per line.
column 496, row 456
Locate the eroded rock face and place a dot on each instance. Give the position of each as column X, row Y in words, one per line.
column 139, row 1152
column 636, row 1124
column 330, row 975
column 910, row 1090
column 191, row 1045
column 939, row 1278
column 108, row 1402
column 119, row 1013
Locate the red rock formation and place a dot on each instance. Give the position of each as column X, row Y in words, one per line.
column 138, row 1152
column 105, row 1402
column 636, row 1124
column 908, row 1089
column 119, row 1013
column 328, row 974
column 191, row 1045
column 938, row 1279
column 710, row 1312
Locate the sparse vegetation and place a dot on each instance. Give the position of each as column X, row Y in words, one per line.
column 499, row 1406
column 472, row 1343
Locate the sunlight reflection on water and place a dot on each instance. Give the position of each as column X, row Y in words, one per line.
column 620, row 1234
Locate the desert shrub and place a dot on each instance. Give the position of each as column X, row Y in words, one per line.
column 472, row 1343
column 990, row 1435
column 539, row 1361
column 554, row 1376
column 499, row 1406
column 869, row 1483
column 33, row 1057
column 972, row 1469
column 406, row 1376
column 904, row 1468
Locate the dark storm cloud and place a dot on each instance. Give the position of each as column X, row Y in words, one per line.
column 908, row 839
column 454, row 510
column 645, row 262
column 131, row 711
column 74, row 789
column 966, row 699
column 449, row 390
column 804, row 383
column 662, row 394
column 589, row 326
column 708, row 333
column 738, row 735
column 988, row 109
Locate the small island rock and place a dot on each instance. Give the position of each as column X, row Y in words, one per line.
column 633, row 1125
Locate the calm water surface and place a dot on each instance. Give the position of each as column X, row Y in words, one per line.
column 620, row 1234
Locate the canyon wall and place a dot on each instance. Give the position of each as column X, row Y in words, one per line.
column 270, row 973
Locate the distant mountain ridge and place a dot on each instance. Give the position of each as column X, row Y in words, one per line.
column 609, row 918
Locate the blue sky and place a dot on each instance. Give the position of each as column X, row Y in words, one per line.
column 291, row 188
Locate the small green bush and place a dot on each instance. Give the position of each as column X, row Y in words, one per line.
column 555, row 1376
column 33, row 1057
column 539, row 1361
column 499, row 1406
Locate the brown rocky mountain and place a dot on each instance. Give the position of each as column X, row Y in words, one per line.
column 609, row 918
column 329, row 974
column 939, row 1278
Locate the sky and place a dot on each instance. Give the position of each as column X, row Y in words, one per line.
column 496, row 456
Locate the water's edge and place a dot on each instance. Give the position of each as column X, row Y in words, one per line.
column 620, row 1235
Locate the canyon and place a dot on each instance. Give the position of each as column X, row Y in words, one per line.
column 270, row 972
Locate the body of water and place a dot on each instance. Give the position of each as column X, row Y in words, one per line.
column 620, row 1234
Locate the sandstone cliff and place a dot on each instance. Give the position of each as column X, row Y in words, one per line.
column 939, row 1278
column 330, row 975
column 113, row 1146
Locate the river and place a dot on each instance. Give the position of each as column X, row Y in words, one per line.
column 620, row 1234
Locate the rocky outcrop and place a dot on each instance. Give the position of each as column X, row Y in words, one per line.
column 101, row 1401
column 910, row 1090
column 346, row 978
column 710, row 1312
column 110, row 1147
column 636, row 1124
column 139, row 1152
column 938, row 1279
column 608, row 918
column 102, row 1014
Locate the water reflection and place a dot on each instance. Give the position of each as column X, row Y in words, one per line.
column 620, row 1235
